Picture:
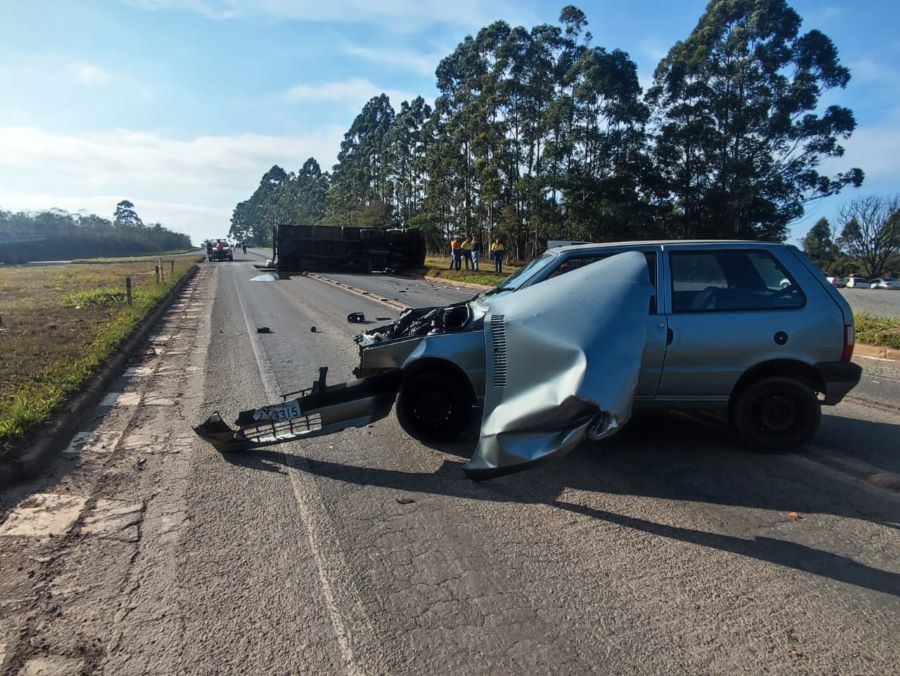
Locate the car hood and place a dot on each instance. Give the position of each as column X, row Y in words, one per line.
column 562, row 357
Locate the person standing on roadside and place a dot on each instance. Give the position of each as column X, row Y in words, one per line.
column 476, row 252
column 456, row 249
column 497, row 252
column 209, row 249
column 467, row 252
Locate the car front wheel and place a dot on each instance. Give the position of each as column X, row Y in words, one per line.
column 776, row 414
column 433, row 406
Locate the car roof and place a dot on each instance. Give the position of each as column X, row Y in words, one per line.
column 669, row 243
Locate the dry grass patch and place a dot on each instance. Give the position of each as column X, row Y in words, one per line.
column 60, row 323
column 877, row 330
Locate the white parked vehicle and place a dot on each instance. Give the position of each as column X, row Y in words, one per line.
column 884, row 283
column 838, row 282
column 858, row 283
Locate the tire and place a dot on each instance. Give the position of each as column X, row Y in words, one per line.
column 433, row 406
column 776, row 414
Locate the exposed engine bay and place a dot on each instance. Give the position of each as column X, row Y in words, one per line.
column 423, row 322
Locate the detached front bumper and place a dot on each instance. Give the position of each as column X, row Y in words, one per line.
column 839, row 378
column 317, row 411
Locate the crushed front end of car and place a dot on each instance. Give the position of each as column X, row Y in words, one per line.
column 563, row 363
column 553, row 363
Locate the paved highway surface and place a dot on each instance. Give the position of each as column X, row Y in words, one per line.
column 875, row 301
column 665, row 549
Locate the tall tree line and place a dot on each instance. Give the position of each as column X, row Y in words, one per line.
column 60, row 235
column 539, row 133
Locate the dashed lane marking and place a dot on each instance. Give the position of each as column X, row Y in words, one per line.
column 43, row 515
column 121, row 399
column 92, row 442
column 114, row 518
column 154, row 400
column 308, row 500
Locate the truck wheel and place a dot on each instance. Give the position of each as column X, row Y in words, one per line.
column 433, row 406
column 776, row 414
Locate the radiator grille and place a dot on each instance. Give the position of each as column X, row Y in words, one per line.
column 498, row 341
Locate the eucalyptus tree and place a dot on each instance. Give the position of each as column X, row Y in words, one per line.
column 361, row 177
column 405, row 155
column 126, row 216
column 255, row 217
column 819, row 245
column 740, row 131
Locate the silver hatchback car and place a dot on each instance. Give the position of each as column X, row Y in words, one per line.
column 748, row 327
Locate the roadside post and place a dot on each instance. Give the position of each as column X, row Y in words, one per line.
column 172, row 267
column 128, row 290
column 157, row 273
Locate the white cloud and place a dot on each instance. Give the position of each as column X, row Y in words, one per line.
column 416, row 62
column 875, row 149
column 653, row 49
column 89, row 74
column 397, row 14
column 869, row 70
column 92, row 75
column 189, row 185
column 352, row 93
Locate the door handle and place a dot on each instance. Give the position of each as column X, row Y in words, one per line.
column 669, row 336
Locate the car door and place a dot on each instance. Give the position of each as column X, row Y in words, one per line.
column 729, row 309
column 655, row 345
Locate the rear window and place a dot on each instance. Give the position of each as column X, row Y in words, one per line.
column 711, row 281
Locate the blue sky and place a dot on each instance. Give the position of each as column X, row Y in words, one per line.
column 181, row 105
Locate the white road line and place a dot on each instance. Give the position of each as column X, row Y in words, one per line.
column 316, row 530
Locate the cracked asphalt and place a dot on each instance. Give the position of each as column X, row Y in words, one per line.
column 667, row 549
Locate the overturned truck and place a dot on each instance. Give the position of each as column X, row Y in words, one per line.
column 325, row 248
column 548, row 367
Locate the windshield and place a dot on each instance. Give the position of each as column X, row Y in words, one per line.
column 519, row 278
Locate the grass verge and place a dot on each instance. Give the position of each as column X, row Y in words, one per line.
column 877, row 330
column 60, row 323
column 437, row 267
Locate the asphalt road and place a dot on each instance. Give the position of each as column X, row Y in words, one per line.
column 665, row 549
column 875, row 301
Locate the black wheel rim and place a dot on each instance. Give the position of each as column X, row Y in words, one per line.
column 432, row 407
column 776, row 414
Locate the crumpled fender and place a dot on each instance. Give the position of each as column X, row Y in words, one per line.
column 561, row 355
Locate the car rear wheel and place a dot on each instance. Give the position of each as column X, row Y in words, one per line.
column 433, row 406
column 776, row 414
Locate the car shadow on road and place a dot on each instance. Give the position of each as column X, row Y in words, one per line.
column 664, row 456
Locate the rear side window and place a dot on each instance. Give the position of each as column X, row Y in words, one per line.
column 709, row 281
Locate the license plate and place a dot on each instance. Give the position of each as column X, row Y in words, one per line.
column 287, row 411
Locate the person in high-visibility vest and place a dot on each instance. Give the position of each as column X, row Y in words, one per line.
column 497, row 254
column 467, row 252
column 456, row 250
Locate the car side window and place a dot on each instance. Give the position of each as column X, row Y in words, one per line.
column 575, row 262
column 709, row 281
